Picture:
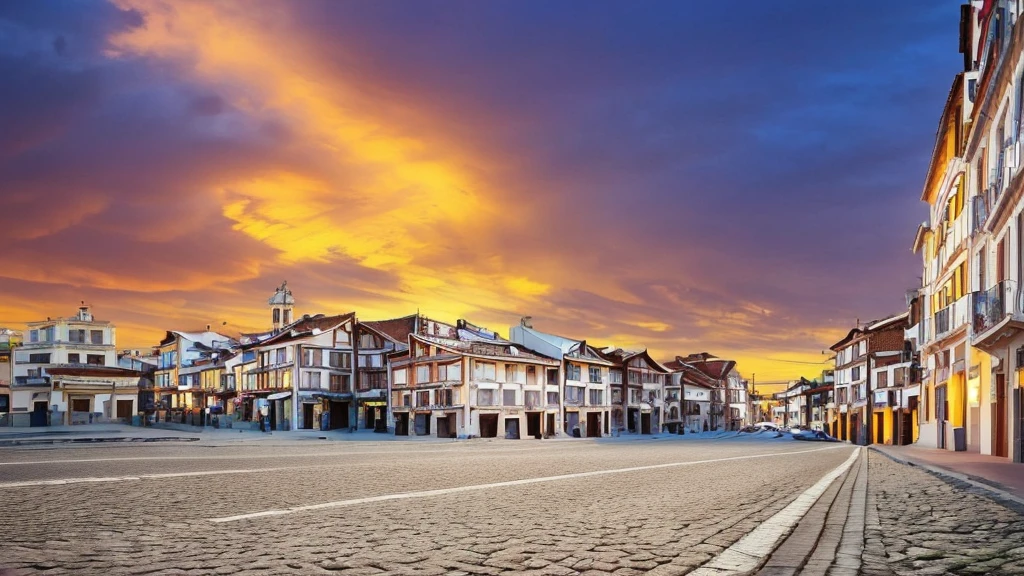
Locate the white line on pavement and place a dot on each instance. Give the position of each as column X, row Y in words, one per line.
column 62, row 481
column 262, row 457
column 445, row 491
column 749, row 552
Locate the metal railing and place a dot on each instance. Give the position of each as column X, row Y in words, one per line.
column 951, row 317
column 992, row 306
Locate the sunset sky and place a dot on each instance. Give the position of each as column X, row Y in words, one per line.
column 684, row 176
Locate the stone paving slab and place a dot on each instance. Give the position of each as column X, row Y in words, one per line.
column 661, row 521
column 928, row 525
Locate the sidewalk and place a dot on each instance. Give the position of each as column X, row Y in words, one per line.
column 998, row 473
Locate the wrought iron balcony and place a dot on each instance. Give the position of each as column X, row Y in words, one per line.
column 993, row 310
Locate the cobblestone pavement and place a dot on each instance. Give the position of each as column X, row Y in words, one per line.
column 926, row 525
column 147, row 517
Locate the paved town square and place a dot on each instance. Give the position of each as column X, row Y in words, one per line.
column 620, row 506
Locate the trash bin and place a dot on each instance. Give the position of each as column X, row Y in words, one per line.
column 216, row 421
column 325, row 420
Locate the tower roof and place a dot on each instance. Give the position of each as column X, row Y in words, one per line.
column 282, row 297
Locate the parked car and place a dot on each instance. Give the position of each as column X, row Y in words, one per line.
column 813, row 436
column 769, row 426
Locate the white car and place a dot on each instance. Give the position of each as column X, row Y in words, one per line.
column 769, row 426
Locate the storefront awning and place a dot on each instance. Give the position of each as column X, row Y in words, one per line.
column 333, row 395
column 279, row 396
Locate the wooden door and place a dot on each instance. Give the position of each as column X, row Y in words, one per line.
column 1001, row 447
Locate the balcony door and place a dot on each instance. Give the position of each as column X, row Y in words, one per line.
column 1020, row 261
column 1001, row 440
column 1001, row 260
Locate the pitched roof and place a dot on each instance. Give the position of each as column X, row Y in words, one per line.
column 206, row 338
column 621, row 356
column 308, row 325
column 497, row 349
column 396, row 329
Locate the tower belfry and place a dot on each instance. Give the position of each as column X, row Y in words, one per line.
column 281, row 304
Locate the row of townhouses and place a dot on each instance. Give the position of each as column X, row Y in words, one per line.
column 405, row 376
column 947, row 372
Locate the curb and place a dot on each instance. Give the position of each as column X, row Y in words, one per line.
column 994, row 491
column 39, row 441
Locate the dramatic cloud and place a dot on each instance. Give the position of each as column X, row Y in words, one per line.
column 662, row 174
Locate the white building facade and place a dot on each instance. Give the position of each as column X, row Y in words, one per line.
column 73, row 341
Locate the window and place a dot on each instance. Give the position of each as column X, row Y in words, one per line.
column 5, row 403
column 532, row 399
column 595, row 374
column 616, row 395
column 572, row 372
column 574, row 395
column 445, row 397
column 76, row 336
column 635, row 396
column 508, row 397
column 312, row 357
column 74, row 359
column 33, row 336
column 96, row 336
column 552, row 398
column 277, row 315
column 368, row 341
column 531, row 375
column 340, row 360
column 373, row 381
column 855, row 373
column 39, row 358
column 596, row 397
column 449, row 372
column 35, row 373
column 615, row 376
column 510, row 372
column 342, row 336
column 487, row 397
column 341, row 383
column 423, row 373
column 370, row 361
column 311, row 380
column 95, row 359
column 552, row 377
column 400, row 377
column 483, row 371
column 423, row 398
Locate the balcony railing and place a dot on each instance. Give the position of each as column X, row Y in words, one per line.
column 989, row 307
column 942, row 321
column 952, row 317
column 993, row 306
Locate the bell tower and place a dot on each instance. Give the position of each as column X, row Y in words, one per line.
column 281, row 304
